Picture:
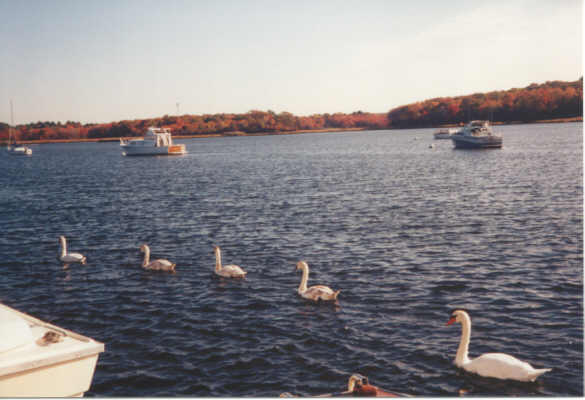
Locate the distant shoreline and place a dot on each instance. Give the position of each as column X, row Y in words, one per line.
column 195, row 136
column 243, row 134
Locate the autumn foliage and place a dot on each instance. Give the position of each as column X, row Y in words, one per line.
column 550, row 100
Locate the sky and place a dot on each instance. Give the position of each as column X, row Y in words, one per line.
column 96, row 61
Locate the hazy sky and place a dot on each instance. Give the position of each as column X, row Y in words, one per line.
column 106, row 60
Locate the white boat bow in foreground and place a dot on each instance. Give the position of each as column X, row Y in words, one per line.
column 38, row 359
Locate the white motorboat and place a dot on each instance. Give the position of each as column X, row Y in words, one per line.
column 19, row 150
column 445, row 133
column 156, row 142
column 38, row 359
column 14, row 148
column 476, row 135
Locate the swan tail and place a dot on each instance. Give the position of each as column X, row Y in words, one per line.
column 336, row 294
column 537, row 372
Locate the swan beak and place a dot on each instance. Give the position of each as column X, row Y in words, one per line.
column 451, row 320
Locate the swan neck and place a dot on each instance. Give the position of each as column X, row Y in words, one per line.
column 305, row 278
column 146, row 257
column 463, row 349
column 63, row 247
column 217, row 260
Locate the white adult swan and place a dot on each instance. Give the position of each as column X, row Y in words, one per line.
column 491, row 365
column 156, row 265
column 227, row 271
column 69, row 257
column 317, row 292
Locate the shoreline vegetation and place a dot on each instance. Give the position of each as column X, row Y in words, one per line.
column 243, row 134
column 553, row 101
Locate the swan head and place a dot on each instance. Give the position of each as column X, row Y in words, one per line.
column 61, row 238
column 301, row 265
column 215, row 248
column 458, row 315
column 144, row 248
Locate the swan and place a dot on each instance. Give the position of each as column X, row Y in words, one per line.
column 156, row 265
column 490, row 365
column 317, row 292
column 227, row 271
column 69, row 257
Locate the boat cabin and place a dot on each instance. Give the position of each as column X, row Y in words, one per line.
column 160, row 137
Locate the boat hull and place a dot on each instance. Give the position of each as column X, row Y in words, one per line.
column 173, row 150
column 38, row 359
column 20, row 151
column 66, row 379
column 477, row 143
column 446, row 133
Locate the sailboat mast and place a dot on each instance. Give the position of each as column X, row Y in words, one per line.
column 21, row 150
column 11, row 123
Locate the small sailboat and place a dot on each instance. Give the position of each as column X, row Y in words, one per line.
column 14, row 148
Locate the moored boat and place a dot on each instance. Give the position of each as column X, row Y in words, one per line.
column 19, row 150
column 14, row 148
column 156, row 142
column 38, row 359
column 445, row 133
column 476, row 135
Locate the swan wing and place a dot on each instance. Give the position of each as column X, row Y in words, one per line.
column 502, row 366
column 322, row 289
column 319, row 292
column 73, row 258
column 232, row 271
column 161, row 265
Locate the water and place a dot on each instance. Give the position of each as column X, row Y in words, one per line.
column 405, row 231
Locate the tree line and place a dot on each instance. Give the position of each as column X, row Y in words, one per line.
column 550, row 100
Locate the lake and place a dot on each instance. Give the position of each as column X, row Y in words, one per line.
column 405, row 231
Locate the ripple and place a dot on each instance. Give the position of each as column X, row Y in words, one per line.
column 406, row 235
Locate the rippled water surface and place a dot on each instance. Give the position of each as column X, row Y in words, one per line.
column 407, row 232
